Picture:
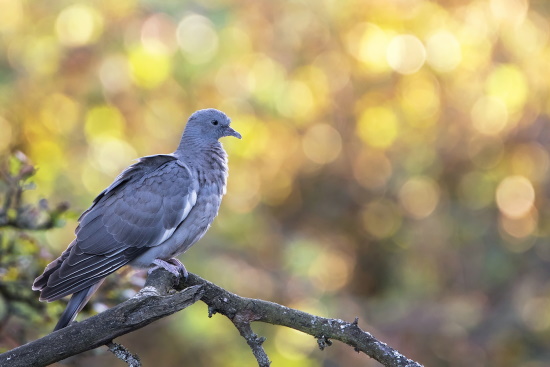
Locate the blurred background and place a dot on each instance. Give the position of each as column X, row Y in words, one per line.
column 394, row 166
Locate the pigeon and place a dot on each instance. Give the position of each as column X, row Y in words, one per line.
column 154, row 211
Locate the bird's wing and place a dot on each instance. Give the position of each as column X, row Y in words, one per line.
column 141, row 209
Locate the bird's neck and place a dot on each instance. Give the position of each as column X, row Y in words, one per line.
column 197, row 152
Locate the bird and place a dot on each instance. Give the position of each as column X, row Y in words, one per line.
column 155, row 210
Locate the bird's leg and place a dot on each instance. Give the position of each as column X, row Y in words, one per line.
column 173, row 265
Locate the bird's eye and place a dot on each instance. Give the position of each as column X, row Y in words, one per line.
column 215, row 122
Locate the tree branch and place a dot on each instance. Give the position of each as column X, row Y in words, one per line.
column 150, row 304
column 157, row 300
column 249, row 310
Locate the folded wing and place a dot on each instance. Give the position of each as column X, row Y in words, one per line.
column 141, row 209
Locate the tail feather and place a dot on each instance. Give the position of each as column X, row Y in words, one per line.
column 76, row 304
column 42, row 281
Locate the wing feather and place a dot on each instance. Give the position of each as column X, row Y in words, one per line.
column 141, row 209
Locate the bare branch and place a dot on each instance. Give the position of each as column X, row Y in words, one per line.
column 221, row 301
column 124, row 354
column 254, row 342
column 157, row 300
column 148, row 305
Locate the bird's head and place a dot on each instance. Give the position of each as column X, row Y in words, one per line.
column 209, row 124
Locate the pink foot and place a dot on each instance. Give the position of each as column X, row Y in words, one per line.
column 173, row 265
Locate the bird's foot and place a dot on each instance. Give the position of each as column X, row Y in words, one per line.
column 173, row 265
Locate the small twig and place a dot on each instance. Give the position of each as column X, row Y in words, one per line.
column 124, row 354
column 254, row 342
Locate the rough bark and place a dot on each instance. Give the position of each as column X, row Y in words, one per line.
column 159, row 299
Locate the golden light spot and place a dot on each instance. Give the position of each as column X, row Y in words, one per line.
column 60, row 113
column 11, row 16
column 515, row 196
column 296, row 101
column 372, row 169
column 378, row 127
column 512, row 11
column 369, row 44
column 529, row 37
column 520, row 227
column 149, row 69
column 381, row 218
column 419, row 196
column 104, row 121
column 38, row 56
column 78, row 25
column 197, row 38
column 269, row 80
column 93, row 179
column 5, row 136
column 508, row 83
column 489, row 115
column 48, row 158
column 322, row 143
column 111, row 155
column 331, row 270
column 443, row 52
column 406, row 54
column 419, row 99
column 248, row 125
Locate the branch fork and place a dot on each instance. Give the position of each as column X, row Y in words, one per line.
column 159, row 299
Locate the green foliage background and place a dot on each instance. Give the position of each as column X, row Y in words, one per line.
column 394, row 164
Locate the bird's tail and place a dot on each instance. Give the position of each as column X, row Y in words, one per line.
column 76, row 304
column 42, row 281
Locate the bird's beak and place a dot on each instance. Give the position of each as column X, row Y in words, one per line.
column 230, row 132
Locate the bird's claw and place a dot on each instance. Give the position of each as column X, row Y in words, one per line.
column 173, row 266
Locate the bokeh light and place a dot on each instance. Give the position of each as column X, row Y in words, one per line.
column 515, row 196
column 419, row 196
column 406, row 54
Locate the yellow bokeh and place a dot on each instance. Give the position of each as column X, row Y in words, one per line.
column 508, row 83
column 489, row 115
column 11, row 16
column 368, row 43
column 406, row 54
column 78, row 25
column 378, row 127
column 419, row 97
column 149, row 69
column 104, row 121
column 443, row 51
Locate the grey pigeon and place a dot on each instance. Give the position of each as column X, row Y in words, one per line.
column 155, row 210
